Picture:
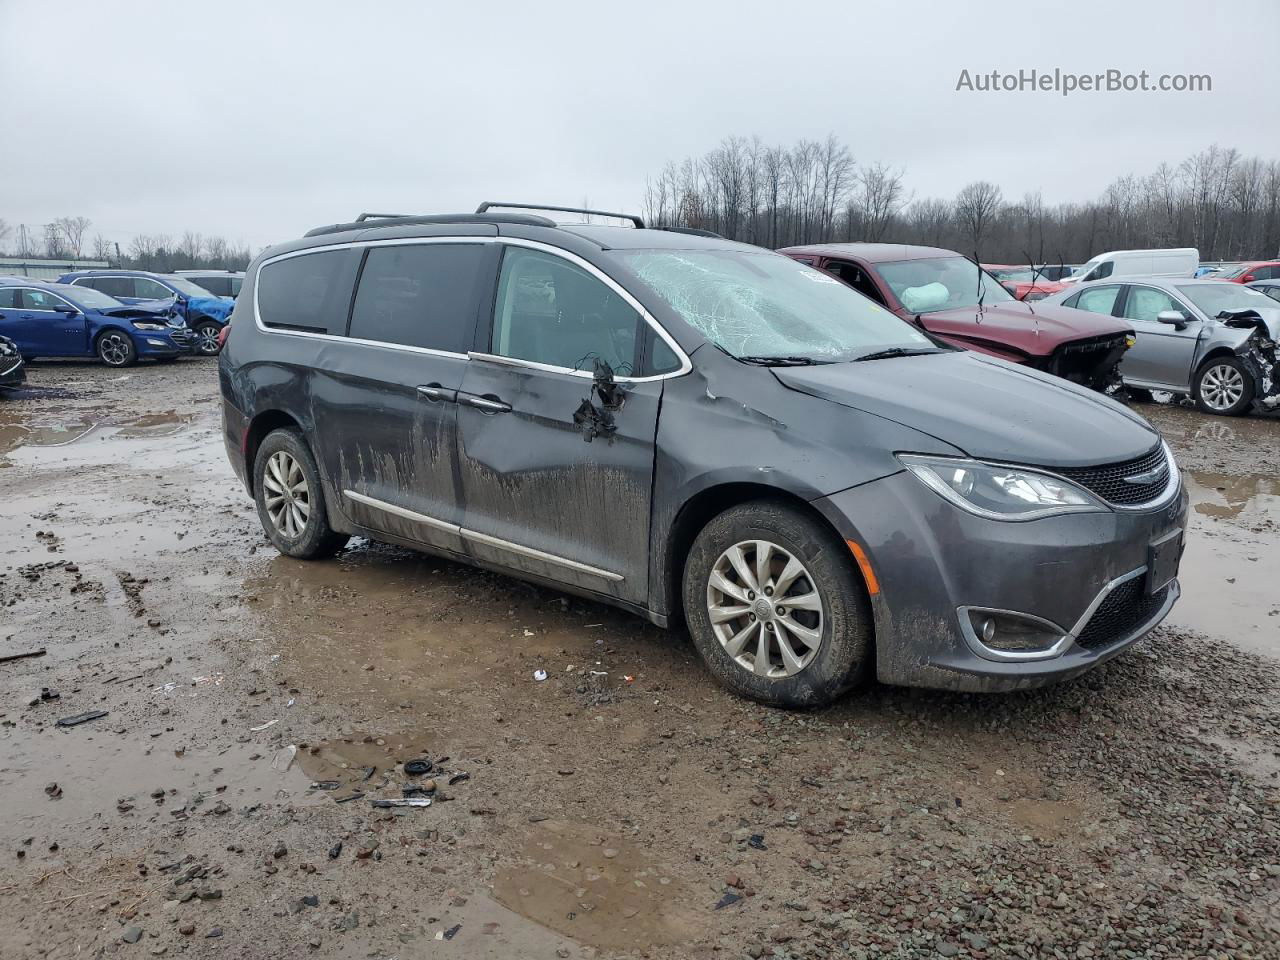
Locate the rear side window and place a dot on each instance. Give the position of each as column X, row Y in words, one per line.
column 419, row 295
column 310, row 292
column 218, row 286
column 8, row 298
column 1097, row 300
column 147, row 289
column 112, row 286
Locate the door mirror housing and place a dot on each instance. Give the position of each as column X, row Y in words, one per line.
column 1174, row 318
column 65, row 308
column 1248, row 278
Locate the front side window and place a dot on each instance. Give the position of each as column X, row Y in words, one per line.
column 310, row 292
column 1097, row 300
column 39, row 300
column 941, row 283
column 1147, row 303
column 419, row 295
column 144, row 288
column 766, row 306
column 551, row 311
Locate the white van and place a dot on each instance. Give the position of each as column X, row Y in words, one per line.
column 1181, row 262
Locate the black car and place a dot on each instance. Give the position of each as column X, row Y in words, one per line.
column 704, row 432
column 13, row 370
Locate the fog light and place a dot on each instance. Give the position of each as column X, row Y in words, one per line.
column 1005, row 632
column 156, row 343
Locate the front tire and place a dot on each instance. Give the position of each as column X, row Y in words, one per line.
column 207, row 338
column 775, row 606
column 290, row 498
column 1224, row 386
column 116, row 349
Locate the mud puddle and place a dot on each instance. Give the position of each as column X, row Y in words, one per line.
column 599, row 889
column 1230, row 573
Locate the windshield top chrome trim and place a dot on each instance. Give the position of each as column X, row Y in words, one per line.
column 685, row 364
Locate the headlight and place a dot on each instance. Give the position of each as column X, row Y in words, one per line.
column 144, row 325
column 997, row 492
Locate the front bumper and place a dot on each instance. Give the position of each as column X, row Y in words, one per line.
column 1083, row 572
column 12, row 371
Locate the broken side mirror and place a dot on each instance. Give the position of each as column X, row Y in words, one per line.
column 1173, row 318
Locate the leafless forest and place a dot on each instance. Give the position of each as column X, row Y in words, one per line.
column 1224, row 204
column 69, row 238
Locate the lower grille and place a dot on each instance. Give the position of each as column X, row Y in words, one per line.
column 1127, row 484
column 1125, row 609
column 184, row 338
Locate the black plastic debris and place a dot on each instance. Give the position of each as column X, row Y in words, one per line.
column 335, row 851
column 367, row 773
column 80, row 718
column 728, row 900
column 349, row 797
column 458, row 778
column 452, row 931
column 418, row 768
column 10, row 657
column 756, row 841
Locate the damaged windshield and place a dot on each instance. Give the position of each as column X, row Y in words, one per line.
column 763, row 307
column 941, row 283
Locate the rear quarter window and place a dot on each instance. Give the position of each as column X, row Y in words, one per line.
column 310, row 292
column 419, row 295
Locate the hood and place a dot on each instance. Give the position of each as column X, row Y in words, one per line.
column 149, row 309
column 990, row 409
column 1035, row 329
column 1266, row 317
column 216, row 307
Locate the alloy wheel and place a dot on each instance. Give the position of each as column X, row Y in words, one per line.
column 286, row 494
column 765, row 609
column 1221, row 387
column 208, row 339
column 114, row 349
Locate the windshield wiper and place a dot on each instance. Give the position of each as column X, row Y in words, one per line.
column 782, row 361
column 897, row 352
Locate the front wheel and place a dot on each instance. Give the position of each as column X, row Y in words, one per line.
column 775, row 606
column 116, row 349
column 1224, row 386
column 207, row 338
column 290, row 499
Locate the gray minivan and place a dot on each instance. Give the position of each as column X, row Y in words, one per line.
column 702, row 432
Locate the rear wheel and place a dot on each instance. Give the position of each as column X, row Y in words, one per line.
column 207, row 338
column 290, row 499
column 775, row 606
column 116, row 349
column 1224, row 386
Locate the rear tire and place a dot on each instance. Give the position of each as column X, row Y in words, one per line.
column 290, row 498
column 1224, row 386
column 828, row 633
column 116, row 348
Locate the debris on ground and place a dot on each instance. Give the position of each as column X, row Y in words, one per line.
column 80, row 718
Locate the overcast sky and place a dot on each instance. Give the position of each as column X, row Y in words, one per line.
column 258, row 120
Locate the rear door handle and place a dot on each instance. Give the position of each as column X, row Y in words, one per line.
column 437, row 393
column 488, row 404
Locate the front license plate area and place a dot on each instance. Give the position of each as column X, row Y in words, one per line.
column 1162, row 561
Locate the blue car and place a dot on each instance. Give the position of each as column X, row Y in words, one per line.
column 58, row 320
column 204, row 313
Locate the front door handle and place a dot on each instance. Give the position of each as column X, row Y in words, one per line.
column 437, row 393
column 485, row 404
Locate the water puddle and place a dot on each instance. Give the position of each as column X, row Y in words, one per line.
column 599, row 890
column 1230, row 584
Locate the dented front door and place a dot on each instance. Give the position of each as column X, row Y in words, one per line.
column 552, row 495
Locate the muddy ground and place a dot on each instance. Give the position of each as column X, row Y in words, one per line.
column 626, row 806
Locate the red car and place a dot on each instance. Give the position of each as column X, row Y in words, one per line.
column 1023, row 282
column 947, row 295
column 1249, row 272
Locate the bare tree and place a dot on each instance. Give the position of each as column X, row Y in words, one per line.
column 72, row 230
column 102, row 248
column 55, row 242
column 880, row 197
column 976, row 207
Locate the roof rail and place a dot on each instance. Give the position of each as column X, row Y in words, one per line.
column 484, row 207
column 381, row 216
column 691, row 231
column 519, row 219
